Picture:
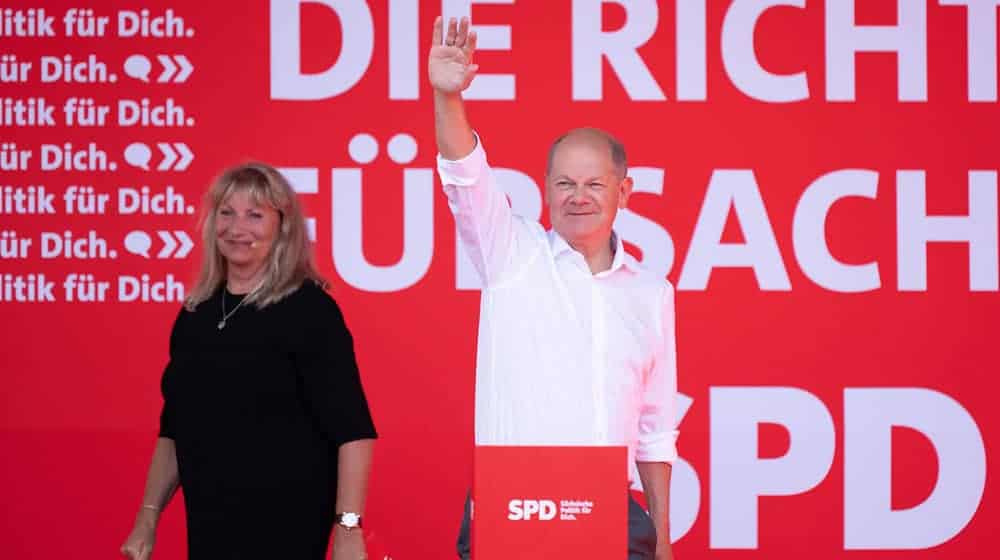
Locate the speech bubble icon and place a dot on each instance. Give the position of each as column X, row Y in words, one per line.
column 138, row 67
column 138, row 243
column 138, row 154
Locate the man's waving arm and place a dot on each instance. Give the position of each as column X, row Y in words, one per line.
column 481, row 209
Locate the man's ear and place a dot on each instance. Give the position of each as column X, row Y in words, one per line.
column 624, row 191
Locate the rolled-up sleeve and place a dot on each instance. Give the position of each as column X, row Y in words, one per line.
column 481, row 209
column 657, row 423
column 167, row 428
column 331, row 383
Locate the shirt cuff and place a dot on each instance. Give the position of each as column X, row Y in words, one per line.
column 659, row 448
column 463, row 172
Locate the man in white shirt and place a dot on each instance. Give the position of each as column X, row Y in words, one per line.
column 576, row 340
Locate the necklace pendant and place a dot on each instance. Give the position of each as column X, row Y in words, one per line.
column 222, row 324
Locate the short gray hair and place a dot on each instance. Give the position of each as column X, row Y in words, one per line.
column 615, row 146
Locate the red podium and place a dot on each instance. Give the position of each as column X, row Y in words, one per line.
column 549, row 502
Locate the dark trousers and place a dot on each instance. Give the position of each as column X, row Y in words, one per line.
column 641, row 533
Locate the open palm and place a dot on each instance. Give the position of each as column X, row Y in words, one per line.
column 449, row 65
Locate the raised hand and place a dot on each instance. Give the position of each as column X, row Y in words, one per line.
column 449, row 65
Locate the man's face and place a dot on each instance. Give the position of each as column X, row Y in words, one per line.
column 584, row 190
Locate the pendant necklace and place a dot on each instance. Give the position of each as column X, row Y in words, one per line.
column 222, row 323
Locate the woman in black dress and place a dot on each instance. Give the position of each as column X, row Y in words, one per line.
column 264, row 424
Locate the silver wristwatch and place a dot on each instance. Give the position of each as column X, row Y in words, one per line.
column 348, row 520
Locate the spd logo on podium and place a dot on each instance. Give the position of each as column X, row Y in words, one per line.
column 549, row 502
column 524, row 509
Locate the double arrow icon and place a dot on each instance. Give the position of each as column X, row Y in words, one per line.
column 169, row 68
column 183, row 248
column 170, row 153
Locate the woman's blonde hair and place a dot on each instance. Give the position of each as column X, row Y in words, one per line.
column 290, row 261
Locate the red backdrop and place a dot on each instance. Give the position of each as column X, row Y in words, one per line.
column 840, row 392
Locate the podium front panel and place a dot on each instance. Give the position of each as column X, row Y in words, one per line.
column 549, row 502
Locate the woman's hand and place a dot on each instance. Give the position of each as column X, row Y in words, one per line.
column 348, row 545
column 139, row 544
column 664, row 552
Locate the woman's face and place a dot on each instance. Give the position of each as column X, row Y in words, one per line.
column 245, row 231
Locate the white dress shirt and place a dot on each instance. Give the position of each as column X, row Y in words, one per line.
column 565, row 357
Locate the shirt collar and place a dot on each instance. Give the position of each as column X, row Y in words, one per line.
column 621, row 258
